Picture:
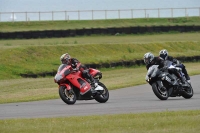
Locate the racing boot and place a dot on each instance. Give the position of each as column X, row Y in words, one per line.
column 186, row 75
column 187, row 78
column 93, row 85
column 91, row 79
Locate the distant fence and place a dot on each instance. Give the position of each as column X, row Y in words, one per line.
column 110, row 31
column 100, row 14
column 109, row 65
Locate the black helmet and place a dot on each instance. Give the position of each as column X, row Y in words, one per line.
column 65, row 58
column 148, row 57
column 163, row 54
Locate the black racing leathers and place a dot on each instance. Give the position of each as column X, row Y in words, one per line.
column 179, row 64
column 156, row 61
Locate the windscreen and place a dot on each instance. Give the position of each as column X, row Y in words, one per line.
column 61, row 74
column 61, row 67
column 152, row 71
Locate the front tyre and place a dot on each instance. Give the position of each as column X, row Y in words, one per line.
column 68, row 96
column 104, row 96
column 159, row 92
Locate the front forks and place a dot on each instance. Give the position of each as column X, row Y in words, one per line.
column 160, row 84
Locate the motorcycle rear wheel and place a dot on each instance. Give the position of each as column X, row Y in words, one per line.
column 68, row 96
column 102, row 98
column 188, row 92
column 161, row 94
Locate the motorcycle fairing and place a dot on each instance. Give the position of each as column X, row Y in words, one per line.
column 66, row 85
column 78, row 82
column 151, row 72
column 63, row 71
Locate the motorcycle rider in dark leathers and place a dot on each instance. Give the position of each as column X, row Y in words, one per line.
column 76, row 65
column 150, row 60
column 165, row 56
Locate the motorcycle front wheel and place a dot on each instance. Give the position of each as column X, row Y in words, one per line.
column 160, row 93
column 68, row 96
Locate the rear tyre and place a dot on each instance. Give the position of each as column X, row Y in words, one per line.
column 104, row 96
column 160, row 93
column 68, row 96
column 188, row 92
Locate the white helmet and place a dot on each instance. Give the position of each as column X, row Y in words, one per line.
column 65, row 58
column 163, row 54
column 148, row 57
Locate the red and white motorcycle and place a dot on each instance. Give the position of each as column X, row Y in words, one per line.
column 72, row 85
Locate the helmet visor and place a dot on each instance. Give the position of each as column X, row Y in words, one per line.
column 163, row 56
column 146, row 60
column 65, row 61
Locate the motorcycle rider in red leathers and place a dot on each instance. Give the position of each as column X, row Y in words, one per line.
column 76, row 65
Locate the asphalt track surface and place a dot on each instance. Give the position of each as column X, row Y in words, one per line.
column 126, row 100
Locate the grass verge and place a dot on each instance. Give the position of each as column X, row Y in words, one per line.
column 165, row 122
column 36, row 57
column 80, row 24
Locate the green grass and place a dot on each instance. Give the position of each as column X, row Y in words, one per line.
column 165, row 122
column 31, row 89
column 103, row 39
column 34, row 56
column 80, row 24
column 19, row 56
